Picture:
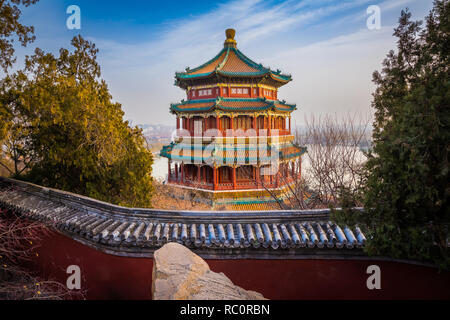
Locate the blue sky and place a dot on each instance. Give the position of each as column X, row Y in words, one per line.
column 324, row 44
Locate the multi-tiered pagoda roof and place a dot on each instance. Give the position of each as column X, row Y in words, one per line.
column 230, row 62
column 231, row 104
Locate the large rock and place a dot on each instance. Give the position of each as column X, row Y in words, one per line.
column 180, row 274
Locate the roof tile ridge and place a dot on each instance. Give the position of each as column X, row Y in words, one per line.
column 259, row 66
column 217, row 56
column 250, row 62
column 216, row 104
column 186, row 102
column 223, row 63
column 283, row 102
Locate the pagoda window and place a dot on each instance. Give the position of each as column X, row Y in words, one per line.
column 224, row 174
column 224, row 91
column 268, row 93
column 226, row 123
column 244, row 173
column 211, row 122
column 193, row 93
column 208, row 174
column 198, row 126
column 260, row 122
column 233, row 90
column 243, row 122
column 255, row 92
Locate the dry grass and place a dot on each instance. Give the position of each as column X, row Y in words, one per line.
column 173, row 198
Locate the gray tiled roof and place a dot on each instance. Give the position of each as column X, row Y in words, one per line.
column 136, row 231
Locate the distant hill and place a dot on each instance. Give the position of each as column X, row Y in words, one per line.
column 157, row 135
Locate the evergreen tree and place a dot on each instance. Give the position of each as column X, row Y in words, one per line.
column 9, row 27
column 407, row 209
column 67, row 133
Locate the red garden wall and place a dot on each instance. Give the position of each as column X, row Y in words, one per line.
column 106, row 276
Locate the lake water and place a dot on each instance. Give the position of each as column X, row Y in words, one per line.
column 160, row 168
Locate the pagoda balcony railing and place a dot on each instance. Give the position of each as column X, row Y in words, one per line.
column 181, row 133
column 275, row 138
column 190, row 183
column 224, row 186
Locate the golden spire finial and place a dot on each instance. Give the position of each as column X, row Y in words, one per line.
column 230, row 42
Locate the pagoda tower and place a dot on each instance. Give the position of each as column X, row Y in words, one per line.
column 233, row 142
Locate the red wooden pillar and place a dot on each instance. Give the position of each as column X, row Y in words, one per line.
column 218, row 122
column 290, row 125
column 234, row 178
column 269, row 125
column 214, row 178
column 169, row 173
column 205, row 124
column 199, row 174
column 276, row 177
column 178, row 123
column 176, row 172
column 182, row 172
column 258, row 176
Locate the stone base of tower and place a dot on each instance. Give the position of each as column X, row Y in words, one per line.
column 251, row 199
